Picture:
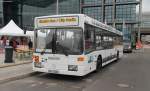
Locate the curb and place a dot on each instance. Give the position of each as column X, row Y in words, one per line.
column 10, row 65
column 19, row 77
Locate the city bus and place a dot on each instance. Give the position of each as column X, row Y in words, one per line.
column 74, row 44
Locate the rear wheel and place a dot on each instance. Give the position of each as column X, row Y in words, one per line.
column 117, row 55
column 99, row 64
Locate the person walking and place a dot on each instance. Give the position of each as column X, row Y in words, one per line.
column 30, row 44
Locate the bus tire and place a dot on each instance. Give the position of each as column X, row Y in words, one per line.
column 117, row 56
column 99, row 63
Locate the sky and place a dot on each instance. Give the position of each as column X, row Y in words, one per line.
column 146, row 5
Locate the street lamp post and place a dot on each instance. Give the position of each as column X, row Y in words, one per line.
column 140, row 20
column 57, row 7
column 114, row 12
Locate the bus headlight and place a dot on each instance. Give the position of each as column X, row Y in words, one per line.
column 81, row 58
column 72, row 68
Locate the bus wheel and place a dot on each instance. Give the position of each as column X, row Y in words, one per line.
column 99, row 64
column 117, row 55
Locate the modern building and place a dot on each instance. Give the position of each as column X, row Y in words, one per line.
column 115, row 13
column 24, row 11
column 145, row 24
column 146, row 20
column 112, row 12
column 145, row 27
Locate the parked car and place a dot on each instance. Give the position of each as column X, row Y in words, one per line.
column 127, row 46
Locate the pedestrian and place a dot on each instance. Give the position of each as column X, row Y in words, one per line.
column 4, row 39
column 13, row 43
column 30, row 44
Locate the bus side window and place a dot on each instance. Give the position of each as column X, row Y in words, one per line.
column 89, row 38
column 88, row 42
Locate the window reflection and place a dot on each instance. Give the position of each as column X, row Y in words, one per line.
column 60, row 40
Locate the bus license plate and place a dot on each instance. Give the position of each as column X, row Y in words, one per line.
column 38, row 65
column 53, row 71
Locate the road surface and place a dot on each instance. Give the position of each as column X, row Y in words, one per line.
column 131, row 73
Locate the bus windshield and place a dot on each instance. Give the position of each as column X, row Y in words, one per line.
column 59, row 41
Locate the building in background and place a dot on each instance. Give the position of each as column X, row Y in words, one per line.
column 145, row 28
column 112, row 12
column 1, row 14
column 146, row 20
column 23, row 12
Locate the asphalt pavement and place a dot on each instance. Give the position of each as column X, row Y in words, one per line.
column 131, row 73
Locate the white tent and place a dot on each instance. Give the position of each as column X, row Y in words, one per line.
column 11, row 29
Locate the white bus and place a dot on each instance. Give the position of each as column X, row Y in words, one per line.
column 74, row 44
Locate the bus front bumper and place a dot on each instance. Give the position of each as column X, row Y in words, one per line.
column 80, row 72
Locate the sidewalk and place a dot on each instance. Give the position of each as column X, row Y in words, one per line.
column 16, row 72
column 21, row 67
column 17, row 62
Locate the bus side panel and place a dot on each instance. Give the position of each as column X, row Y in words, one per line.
column 108, row 55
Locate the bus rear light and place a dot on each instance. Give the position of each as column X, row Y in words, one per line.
column 81, row 58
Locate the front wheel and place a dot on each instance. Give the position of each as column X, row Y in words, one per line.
column 99, row 64
column 117, row 55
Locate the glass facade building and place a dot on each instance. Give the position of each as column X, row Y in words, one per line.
column 146, row 20
column 1, row 14
column 112, row 12
column 24, row 11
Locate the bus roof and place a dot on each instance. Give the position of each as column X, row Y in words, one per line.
column 71, row 20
